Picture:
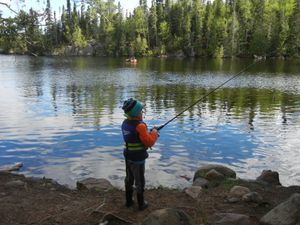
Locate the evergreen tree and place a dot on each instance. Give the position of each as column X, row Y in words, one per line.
column 197, row 26
column 232, row 37
column 293, row 45
column 153, row 33
column 186, row 27
column 119, row 34
column 259, row 42
column 217, row 27
column 140, row 27
column 50, row 31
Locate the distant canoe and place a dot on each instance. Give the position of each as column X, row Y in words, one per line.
column 133, row 61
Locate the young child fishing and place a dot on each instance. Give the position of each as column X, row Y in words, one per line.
column 137, row 140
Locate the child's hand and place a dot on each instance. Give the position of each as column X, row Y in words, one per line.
column 154, row 129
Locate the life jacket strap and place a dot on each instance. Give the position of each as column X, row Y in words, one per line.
column 134, row 146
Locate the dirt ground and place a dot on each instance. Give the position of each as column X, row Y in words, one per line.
column 43, row 201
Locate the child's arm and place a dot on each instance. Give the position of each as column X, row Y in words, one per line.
column 147, row 138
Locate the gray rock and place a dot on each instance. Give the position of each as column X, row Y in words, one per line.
column 270, row 177
column 71, row 51
column 111, row 219
column 238, row 191
column 232, row 200
column 231, row 219
column 286, row 213
column 193, row 191
column 201, row 182
column 168, row 217
column 11, row 168
column 15, row 183
column 88, row 50
column 202, row 171
column 252, row 197
column 94, row 184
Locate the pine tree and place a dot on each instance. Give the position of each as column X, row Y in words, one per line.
column 231, row 39
column 244, row 20
column 259, row 42
column 153, row 33
column 196, row 26
column 49, row 31
column 293, row 45
column 217, row 27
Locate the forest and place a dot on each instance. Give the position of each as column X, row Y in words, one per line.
column 192, row 28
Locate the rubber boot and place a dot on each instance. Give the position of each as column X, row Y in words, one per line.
column 141, row 202
column 129, row 200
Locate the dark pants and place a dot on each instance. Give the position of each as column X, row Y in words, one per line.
column 135, row 174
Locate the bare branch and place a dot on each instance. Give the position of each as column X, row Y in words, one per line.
column 5, row 4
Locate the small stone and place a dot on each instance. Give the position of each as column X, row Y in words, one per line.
column 94, row 184
column 232, row 200
column 112, row 219
column 168, row 216
column 252, row 197
column 193, row 191
column 239, row 191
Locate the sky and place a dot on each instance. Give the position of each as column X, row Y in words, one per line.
column 55, row 4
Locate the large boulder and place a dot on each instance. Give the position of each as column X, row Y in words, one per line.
column 94, row 184
column 214, row 175
column 225, row 171
column 231, row 219
column 270, row 177
column 168, row 216
column 286, row 213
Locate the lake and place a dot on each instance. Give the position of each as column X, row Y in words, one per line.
column 61, row 117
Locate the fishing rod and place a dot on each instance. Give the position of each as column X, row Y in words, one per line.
column 203, row 97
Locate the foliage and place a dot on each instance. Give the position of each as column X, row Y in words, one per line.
column 193, row 27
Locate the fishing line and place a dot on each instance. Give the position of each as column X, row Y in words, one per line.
column 210, row 92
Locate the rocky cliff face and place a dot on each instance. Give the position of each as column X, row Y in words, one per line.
column 89, row 50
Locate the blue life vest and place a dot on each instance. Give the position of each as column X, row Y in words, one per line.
column 134, row 149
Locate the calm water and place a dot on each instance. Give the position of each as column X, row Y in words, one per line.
column 61, row 117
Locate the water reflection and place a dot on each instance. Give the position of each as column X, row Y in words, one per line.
column 61, row 116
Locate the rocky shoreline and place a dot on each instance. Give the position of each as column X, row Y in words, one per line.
column 217, row 197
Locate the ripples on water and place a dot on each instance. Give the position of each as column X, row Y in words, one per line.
column 61, row 117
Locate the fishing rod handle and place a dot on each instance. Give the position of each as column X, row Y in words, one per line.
column 157, row 128
column 160, row 127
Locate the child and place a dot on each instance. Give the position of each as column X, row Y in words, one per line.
column 137, row 140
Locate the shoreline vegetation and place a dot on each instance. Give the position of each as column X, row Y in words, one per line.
column 216, row 196
column 186, row 28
